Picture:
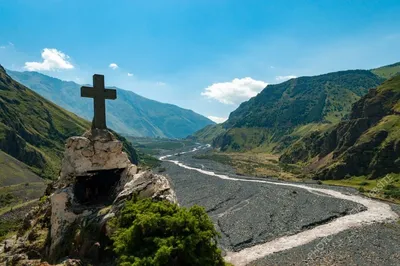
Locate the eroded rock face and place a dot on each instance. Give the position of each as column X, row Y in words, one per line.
column 96, row 150
column 147, row 185
column 95, row 181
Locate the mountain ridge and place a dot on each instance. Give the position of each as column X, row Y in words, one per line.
column 268, row 121
column 33, row 130
column 129, row 114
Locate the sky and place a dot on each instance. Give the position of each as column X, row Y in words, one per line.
column 204, row 55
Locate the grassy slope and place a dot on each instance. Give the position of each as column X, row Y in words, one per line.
column 18, row 184
column 276, row 117
column 387, row 71
column 13, row 172
column 208, row 133
column 33, row 129
column 129, row 114
column 366, row 144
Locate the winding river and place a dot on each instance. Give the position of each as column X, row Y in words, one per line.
column 376, row 211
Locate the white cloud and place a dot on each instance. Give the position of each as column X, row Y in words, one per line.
column 283, row 78
column 234, row 92
column 159, row 83
column 2, row 47
column 130, row 74
column 217, row 119
column 52, row 60
column 113, row 66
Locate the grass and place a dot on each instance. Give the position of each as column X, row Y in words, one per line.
column 208, row 134
column 385, row 188
column 390, row 124
column 14, row 172
column 153, row 146
column 304, row 130
column 15, row 206
column 8, row 228
column 255, row 164
column 33, row 130
column 387, row 71
column 23, row 192
column 149, row 148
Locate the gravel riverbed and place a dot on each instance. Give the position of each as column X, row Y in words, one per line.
column 248, row 214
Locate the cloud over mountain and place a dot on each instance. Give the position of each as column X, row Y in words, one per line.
column 284, row 78
column 52, row 60
column 235, row 91
column 217, row 119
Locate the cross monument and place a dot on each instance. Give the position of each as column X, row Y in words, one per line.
column 99, row 94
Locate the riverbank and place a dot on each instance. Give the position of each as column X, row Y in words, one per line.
column 253, row 213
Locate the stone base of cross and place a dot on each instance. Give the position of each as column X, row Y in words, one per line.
column 99, row 93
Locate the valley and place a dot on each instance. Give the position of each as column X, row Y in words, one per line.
column 200, row 133
column 263, row 218
column 129, row 114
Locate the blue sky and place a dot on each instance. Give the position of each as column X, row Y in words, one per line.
column 203, row 55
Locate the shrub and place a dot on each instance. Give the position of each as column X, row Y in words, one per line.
column 394, row 193
column 361, row 189
column 160, row 233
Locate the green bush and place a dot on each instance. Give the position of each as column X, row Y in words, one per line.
column 392, row 193
column 160, row 233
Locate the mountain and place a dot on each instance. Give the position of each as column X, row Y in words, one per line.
column 18, row 184
column 208, row 133
column 387, row 71
column 13, row 172
column 130, row 114
column 282, row 113
column 33, row 130
column 367, row 143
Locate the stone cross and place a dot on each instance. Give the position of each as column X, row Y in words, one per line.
column 99, row 93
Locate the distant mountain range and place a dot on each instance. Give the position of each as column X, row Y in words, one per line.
column 33, row 130
column 281, row 115
column 130, row 114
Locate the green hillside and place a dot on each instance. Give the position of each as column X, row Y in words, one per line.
column 129, row 114
column 387, row 71
column 368, row 143
column 208, row 133
column 276, row 116
column 13, row 172
column 33, row 129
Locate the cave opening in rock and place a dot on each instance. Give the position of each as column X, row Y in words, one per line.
column 97, row 187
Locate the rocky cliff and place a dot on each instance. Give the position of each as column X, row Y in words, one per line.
column 367, row 143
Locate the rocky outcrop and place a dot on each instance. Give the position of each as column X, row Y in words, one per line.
column 96, row 180
column 95, row 150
